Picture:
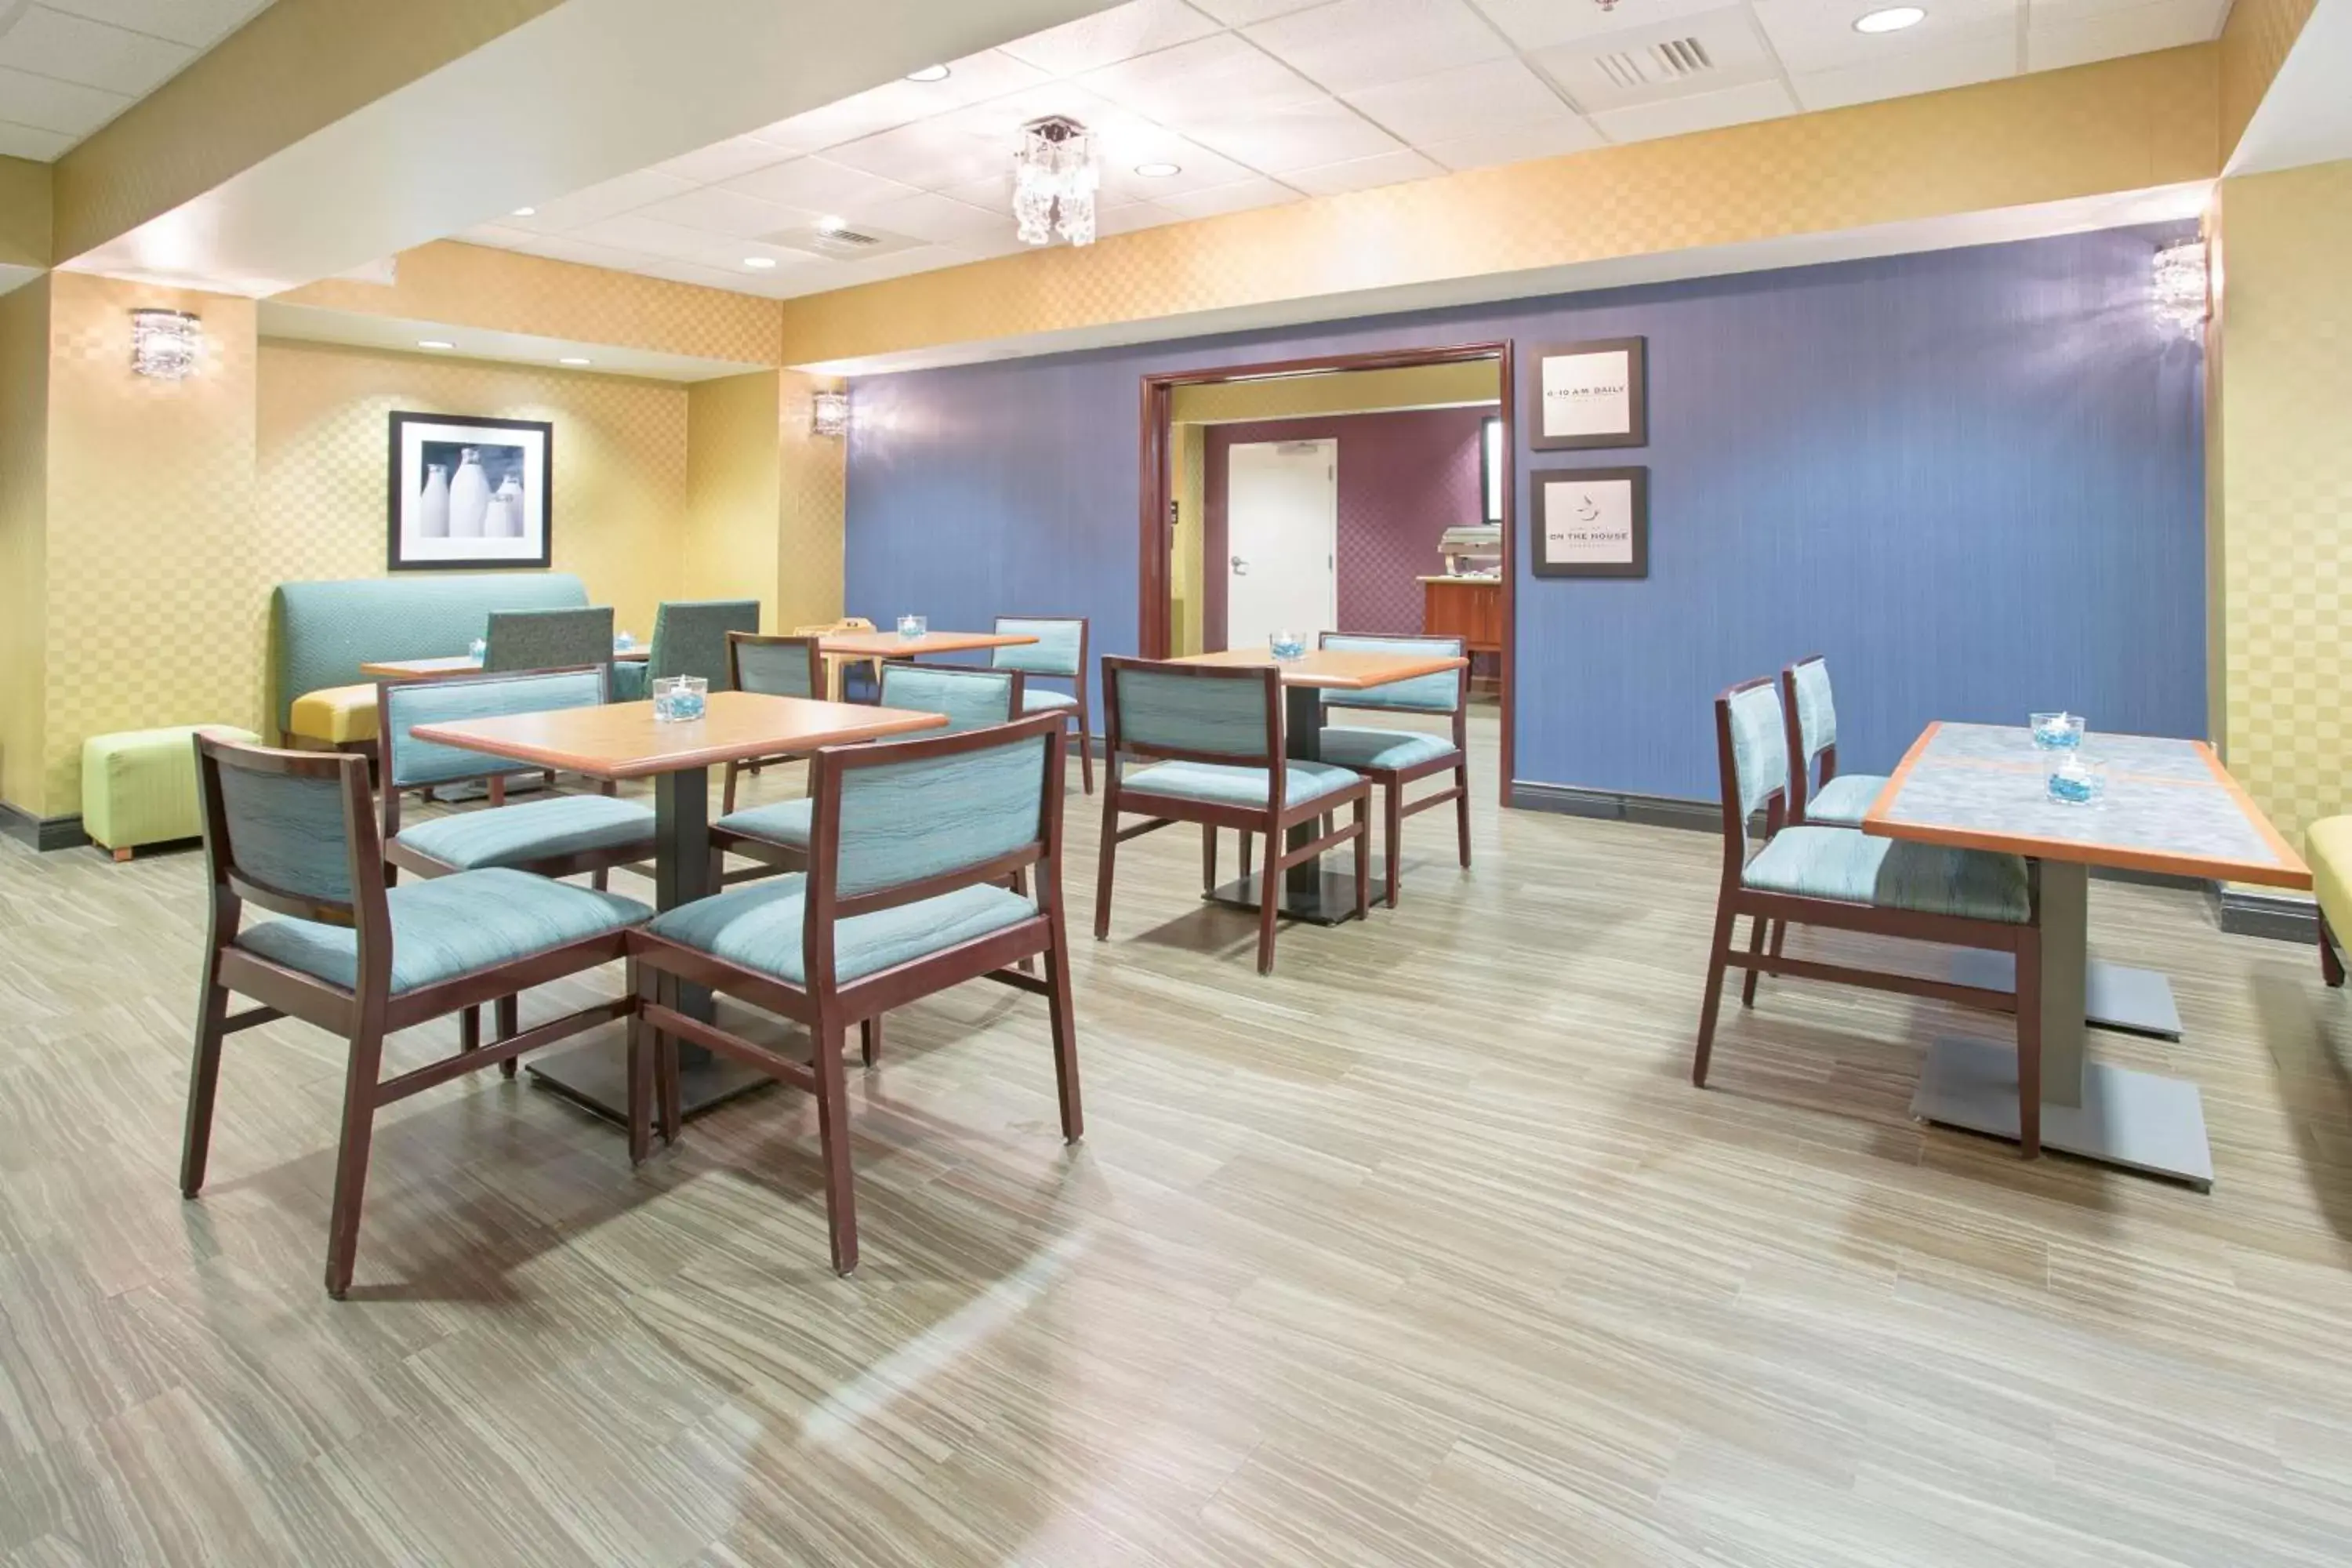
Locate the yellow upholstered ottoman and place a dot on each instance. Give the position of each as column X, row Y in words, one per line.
column 139, row 786
column 2327, row 845
column 334, row 716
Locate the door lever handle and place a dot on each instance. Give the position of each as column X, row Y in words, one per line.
column 1241, row 567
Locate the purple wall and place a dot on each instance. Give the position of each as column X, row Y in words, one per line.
column 1973, row 479
column 1404, row 478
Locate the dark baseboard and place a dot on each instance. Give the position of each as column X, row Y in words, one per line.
column 2280, row 916
column 1618, row 805
column 42, row 832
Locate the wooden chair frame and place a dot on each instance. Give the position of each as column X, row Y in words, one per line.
column 1394, row 808
column 363, row 1014
column 735, row 641
column 829, row 1007
column 1084, row 720
column 1271, row 820
column 1735, row 899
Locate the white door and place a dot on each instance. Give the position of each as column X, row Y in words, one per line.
column 1282, row 541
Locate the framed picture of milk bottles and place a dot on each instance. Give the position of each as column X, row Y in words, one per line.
column 469, row 493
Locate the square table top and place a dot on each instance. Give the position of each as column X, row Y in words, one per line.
column 2170, row 806
column 1337, row 670
column 890, row 645
column 456, row 664
column 624, row 740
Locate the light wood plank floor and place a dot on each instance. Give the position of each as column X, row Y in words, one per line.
column 1422, row 1251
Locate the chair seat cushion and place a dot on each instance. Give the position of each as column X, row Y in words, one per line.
column 334, row 714
column 443, row 927
column 758, row 926
column 1845, row 800
column 535, row 830
column 1891, row 874
column 1388, row 750
column 786, row 822
column 2327, row 845
column 1034, row 700
column 1218, row 784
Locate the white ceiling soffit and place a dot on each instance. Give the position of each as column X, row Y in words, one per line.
column 584, row 93
column 2161, row 204
column 2306, row 116
column 67, row 67
column 312, row 323
column 1246, row 103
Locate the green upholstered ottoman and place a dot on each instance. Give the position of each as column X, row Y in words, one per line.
column 138, row 786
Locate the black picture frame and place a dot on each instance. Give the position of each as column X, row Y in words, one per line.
column 1540, row 561
column 1636, row 431
column 410, row 546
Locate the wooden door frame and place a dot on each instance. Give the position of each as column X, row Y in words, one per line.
column 1155, row 529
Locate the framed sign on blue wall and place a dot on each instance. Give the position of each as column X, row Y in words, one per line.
column 1587, row 395
column 1589, row 523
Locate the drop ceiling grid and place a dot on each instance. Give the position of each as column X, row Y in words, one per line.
column 67, row 67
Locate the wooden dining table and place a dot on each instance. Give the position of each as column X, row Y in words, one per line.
column 458, row 664
column 841, row 649
column 1309, row 892
column 624, row 740
column 2169, row 808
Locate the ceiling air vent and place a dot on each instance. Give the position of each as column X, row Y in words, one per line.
column 1705, row 52
column 1676, row 59
column 841, row 242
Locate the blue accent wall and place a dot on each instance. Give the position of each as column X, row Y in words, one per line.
column 1973, row 479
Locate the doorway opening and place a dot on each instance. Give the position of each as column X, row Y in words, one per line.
column 1363, row 493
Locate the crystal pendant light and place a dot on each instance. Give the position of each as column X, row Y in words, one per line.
column 1054, row 182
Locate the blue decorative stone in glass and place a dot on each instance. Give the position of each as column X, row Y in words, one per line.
column 2058, row 732
column 1287, row 645
column 914, row 625
column 679, row 698
column 2076, row 782
column 477, row 650
column 624, row 642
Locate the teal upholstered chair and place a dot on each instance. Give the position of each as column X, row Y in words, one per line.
column 689, row 638
column 1808, row 875
column 1839, row 800
column 905, row 895
column 777, row 834
column 1060, row 653
column 1213, row 735
column 1392, row 759
column 771, row 667
column 293, row 833
column 547, row 639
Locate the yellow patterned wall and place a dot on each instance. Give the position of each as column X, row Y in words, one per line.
column 24, row 212
column 732, row 491
column 24, row 549
column 815, row 497
column 157, row 579
column 1340, row 392
column 505, row 291
column 2120, row 125
column 2254, row 44
column 2287, row 491
column 619, row 492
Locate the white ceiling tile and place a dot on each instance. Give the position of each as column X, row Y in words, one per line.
column 1702, row 111
column 609, row 199
column 995, row 194
column 46, row 104
column 1819, row 35
column 1541, row 24
column 1363, row 173
column 197, row 23
column 1301, row 136
column 938, row 220
column 1135, row 216
column 497, row 235
column 1988, row 55
column 1515, row 145
column 27, row 141
column 706, row 276
column 724, row 160
column 1351, row 44
column 1107, row 36
column 563, row 247
column 1242, row 13
column 817, row 185
column 1454, row 103
column 635, row 231
column 1211, row 79
column 73, row 48
column 2077, row 33
column 716, row 211
column 1257, row 191
column 729, row 256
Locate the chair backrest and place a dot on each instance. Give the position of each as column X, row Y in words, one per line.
column 902, row 820
column 291, row 832
column 1200, row 712
column 775, row 667
column 1060, row 648
column 691, row 638
column 1448, row 691
column 1811, row 717
column 548, row 639
column 408, row 762
column 969, row 698
column 1753, row 746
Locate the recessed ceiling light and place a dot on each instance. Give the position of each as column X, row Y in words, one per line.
column 1158, row 171
column 573, row 359
column 1894, row 19
column 434, row 344
column 525, row 212
column 759, row 263
column 929, row 73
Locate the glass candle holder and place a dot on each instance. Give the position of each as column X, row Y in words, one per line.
column 913, row 625
column 624, row 642
column 679, row 698
column 2058, row 732
column 477, row 650
column 1287, row 645
column 2077, row 780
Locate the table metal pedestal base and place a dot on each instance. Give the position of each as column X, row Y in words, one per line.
column 2135, row 1120
column 596, row 1079
column 1333, row 902
column 2135, row 1001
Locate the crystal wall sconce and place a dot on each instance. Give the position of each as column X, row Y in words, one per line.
column 165, row 344
column 829, row 414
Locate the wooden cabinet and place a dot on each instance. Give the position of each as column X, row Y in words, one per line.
column 1470, row 608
